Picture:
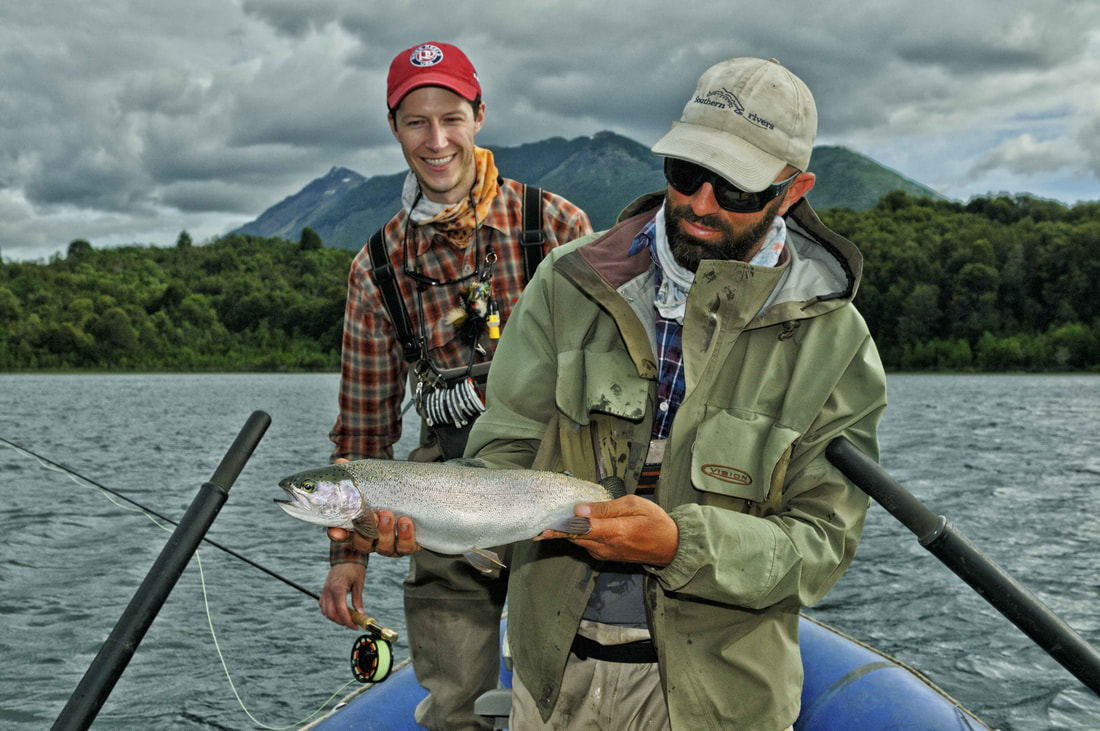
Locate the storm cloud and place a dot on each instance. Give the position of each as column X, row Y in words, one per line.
column 125, row 121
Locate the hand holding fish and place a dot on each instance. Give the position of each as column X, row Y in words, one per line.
column 629, row 528
column 401, row 542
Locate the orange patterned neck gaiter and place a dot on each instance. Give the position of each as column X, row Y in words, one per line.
column 457, row 223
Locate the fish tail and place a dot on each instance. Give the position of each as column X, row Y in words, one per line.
column 574, row 525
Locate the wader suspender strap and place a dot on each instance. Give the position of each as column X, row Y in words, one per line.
column 532, row 238
column 381, row 270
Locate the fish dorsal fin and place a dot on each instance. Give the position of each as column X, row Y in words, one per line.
column 483, row 560
column 468, row 462
column 615, row 486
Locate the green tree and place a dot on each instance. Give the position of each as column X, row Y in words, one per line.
column 310, row 241
column 115, row 336
column 197, row 310
column 10, row 309
column 78, row 248
column 920, row 314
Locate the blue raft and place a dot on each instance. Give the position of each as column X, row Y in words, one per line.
column 847, row 685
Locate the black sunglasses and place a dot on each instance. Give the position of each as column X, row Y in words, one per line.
column 686, row 178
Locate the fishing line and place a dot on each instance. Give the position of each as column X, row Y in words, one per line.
column 152, row 515
column 233, row 686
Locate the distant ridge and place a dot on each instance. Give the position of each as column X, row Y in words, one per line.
column 285, row 218
column 601, row 174
column 850, row 180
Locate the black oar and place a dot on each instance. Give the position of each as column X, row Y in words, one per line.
column 107, row 667
column 993, row 583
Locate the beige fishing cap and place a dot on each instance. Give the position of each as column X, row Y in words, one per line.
column 746, row 121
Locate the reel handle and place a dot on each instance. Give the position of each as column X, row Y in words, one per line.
column 370, row 624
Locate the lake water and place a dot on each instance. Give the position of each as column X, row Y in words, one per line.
column 1013, row 461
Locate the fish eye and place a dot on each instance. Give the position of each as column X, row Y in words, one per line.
column 309, row 485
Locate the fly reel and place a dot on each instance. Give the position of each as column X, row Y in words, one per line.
column 371, row 659
column 372, row 654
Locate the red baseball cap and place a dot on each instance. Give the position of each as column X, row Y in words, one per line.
column 431, row 64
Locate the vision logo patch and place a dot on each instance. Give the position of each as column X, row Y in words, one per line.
column 727, row 474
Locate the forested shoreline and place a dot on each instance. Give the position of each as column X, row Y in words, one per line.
column 1002, row 283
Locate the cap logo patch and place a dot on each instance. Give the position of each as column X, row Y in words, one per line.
column 426, row 55
column 726, row 99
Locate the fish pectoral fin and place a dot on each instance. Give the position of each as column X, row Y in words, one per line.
column 365, row 525
column 483, row 560
column 574, row 525
column 614, row 486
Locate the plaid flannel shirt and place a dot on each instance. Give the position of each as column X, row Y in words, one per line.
column 671, row 384
column 373, row 371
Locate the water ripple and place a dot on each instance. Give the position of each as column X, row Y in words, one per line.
column 1012, row 461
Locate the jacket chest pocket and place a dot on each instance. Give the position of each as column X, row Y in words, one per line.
column 736, row 452
column 599, row 381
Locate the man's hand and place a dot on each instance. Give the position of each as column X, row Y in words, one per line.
column 629, row 528
column 390, row 542
column 343, row 578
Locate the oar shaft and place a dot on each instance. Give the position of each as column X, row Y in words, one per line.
column 994, row 584
column 115, row 654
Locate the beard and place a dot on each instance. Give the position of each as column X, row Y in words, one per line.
column 735, row 245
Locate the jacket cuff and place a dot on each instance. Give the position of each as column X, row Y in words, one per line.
column 689, row 551
column 344, row 552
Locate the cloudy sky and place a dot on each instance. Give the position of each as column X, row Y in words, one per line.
column 127, row 121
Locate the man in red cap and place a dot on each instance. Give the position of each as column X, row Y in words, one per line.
column 442, row 270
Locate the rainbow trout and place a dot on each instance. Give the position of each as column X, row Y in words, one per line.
column 459, row 507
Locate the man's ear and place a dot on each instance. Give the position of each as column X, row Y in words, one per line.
column 480, row 118
column 799, row 187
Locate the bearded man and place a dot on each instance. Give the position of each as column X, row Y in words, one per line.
column 704, row 351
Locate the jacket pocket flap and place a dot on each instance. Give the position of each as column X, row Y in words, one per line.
column 736, row 451
column 601, row 381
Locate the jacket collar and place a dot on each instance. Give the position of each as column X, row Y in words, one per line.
column 820, row 273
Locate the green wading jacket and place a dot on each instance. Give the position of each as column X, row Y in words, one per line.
column 778, row 362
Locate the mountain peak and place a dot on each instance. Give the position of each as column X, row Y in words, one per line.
column 343, row 174
column 601, row 174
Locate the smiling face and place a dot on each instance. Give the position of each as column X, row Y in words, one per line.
column 436, row 129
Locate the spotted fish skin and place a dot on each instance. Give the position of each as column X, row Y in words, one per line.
column 458, row 507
